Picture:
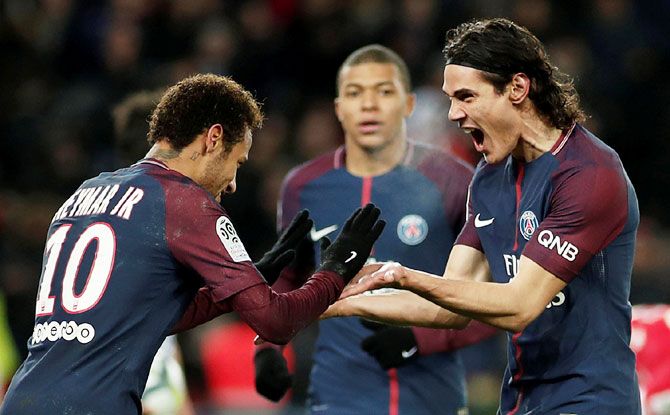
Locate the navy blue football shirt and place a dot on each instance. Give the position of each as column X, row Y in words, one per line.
column 124, row 257
column 574, row 212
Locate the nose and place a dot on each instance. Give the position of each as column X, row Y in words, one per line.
column 456, row 113
column 369, row 101
column 231, row 188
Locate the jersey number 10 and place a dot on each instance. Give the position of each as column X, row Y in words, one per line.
column 96, row 283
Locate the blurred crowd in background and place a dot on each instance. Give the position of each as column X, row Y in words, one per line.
column 67, row 64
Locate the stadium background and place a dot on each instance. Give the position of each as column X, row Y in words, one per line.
column 65, row 64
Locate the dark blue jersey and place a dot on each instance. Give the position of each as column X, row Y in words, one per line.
column 423, row 202
column 124, row 257
column 574, row 212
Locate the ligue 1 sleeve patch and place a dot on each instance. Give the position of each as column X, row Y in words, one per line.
column 230, row 240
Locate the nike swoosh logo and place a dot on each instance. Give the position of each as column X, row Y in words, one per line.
column 479, row 223
column 406, row 354
column 353, row 255
column 316, row 235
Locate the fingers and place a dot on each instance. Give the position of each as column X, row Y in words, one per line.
column 350, row 221
column 284, row 259
column 324, row 243
column 297, row 230
column 367, row 217
column 377, row 229
column 367, row 270
column 364, row 284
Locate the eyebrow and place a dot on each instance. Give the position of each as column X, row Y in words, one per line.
column 460, row 92
column 378, row 84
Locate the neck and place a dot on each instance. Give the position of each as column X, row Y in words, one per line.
column 180, row 161
column 536, row 138
column 365, row 162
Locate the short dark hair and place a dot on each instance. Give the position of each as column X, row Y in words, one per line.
column 376, row 54
column 195, row 103
column 501, row 48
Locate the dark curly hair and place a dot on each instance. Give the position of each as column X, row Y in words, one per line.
column 501, row 48
column 195, row 103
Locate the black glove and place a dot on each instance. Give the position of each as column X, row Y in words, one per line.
column 283, row 251
column 392, row 346
column 272, row 377
column 348, row 253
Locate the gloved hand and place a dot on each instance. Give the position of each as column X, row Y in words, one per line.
column 348, row 253
column 272, row 376
column 392, row 346
column 283, row 251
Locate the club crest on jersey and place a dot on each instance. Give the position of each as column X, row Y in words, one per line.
column 527, row 224
column 412, row 229
column 230, row 240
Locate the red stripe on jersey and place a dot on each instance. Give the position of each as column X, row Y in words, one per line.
column 366, row 192
column 366, row 196
column 394, row 392
column 518, row 402
column 519, row 373
column 519, row 180
column 517, row 356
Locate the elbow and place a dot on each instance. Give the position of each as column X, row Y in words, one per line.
column 520, row 321
column 274, row 336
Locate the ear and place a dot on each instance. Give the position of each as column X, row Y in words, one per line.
column 410, row 103
column 519, row 88
column 336, row 101
column 214, row 138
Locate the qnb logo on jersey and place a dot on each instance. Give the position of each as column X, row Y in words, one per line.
column 553, row 242
column 66, row 330
column 412, row 229
column 527, row 224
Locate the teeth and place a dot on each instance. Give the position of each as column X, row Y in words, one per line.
column 468, row 130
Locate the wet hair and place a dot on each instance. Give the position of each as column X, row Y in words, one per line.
column 376, row 54
column 195, row 103
column 501, row 48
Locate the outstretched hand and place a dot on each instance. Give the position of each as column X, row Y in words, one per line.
column 283, row 251
column 348, row 253
column 374, row 276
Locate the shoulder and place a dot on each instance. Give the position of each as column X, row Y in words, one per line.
column 313, row 169
column 584, row 153
column 183, row 196
column 432, row 160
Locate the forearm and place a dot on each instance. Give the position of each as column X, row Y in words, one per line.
column 445, row 340
column 290, row 279
column 497, row 304
column 278, row 317
column 397, row 307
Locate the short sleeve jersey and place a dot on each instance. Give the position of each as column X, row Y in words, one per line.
column 574, row 212
column 124, row 257
column 423, row 203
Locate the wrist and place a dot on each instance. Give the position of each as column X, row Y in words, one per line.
column 337, row 267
